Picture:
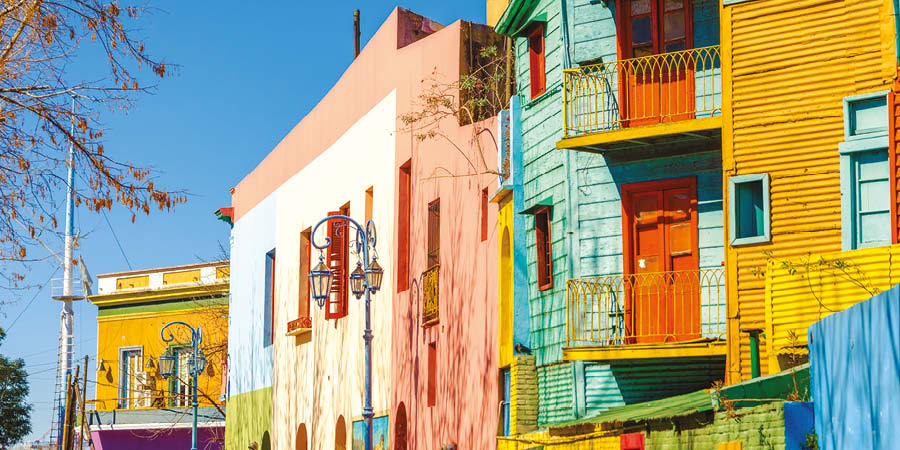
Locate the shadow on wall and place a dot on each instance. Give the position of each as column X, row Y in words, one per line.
column 266, row 442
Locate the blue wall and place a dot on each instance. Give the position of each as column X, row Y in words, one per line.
column 250, row 360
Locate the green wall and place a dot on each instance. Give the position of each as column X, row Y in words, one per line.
column 248, row 417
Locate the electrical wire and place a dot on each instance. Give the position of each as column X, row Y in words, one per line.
column 116, row 238
column 32, row 300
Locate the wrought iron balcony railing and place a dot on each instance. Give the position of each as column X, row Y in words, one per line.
column 659, row 307
column 431, row 295
column 643, row 91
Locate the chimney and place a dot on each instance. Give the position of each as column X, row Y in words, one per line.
column 355, row 34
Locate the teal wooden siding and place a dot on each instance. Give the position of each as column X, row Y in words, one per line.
column 594, row 31
column 600, row 205
column 556, row 396
column 545, row 179
column 635, row 381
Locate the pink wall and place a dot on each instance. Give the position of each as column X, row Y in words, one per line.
column 465, row 412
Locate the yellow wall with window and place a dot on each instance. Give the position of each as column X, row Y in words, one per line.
column 787, row 66
column 142, row 330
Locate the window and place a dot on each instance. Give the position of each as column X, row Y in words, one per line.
column 432, row 374
column 543, row 247
column 504, row 401
column 865, row 172
column 484, row 214
column 336, row 256
column 434, row 233
column 181, row 381
column 536, row 61
column 269, row 309
column 305, row 266
column 132, row 378
column 370, row 198
column 651, row 27
column 403, row 212
column 748, row 202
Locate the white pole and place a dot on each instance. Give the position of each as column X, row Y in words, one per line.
column 67, row 316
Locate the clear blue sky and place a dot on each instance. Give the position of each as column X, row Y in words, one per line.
column 248, row 75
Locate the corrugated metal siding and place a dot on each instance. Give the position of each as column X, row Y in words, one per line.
column 792, row 62
column 895, row 175
column 556, row 393
column 629, row 382
column 805, row 290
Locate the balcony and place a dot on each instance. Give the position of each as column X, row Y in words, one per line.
column 648, row 315
column 431, row 295
column 672, row 99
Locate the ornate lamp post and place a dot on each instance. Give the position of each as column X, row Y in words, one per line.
column 362, row 281
column 196, row 365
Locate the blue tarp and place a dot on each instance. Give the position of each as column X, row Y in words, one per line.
column 855, row 375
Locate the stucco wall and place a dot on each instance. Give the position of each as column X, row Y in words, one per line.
column 319, row 378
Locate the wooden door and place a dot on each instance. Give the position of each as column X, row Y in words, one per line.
column 662, row 293
column 656, row 88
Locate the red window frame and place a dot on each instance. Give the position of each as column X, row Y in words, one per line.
column 433, row 238
column 431, row 388
column 484, row 214
column 403, row 216
column 656, row 14
column 537, row 64
column 305, row 266
column 336, row 259
column 543, row 248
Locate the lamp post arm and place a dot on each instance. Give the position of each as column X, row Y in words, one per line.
column 365, row 236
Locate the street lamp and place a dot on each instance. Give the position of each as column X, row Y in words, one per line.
column 362, row 281
column 196, row 364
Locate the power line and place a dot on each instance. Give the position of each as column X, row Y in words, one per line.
column 32, row 300
column 116, row 238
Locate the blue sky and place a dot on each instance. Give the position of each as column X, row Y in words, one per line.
column 248, row 74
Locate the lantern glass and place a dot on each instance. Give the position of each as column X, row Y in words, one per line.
column 199, row 363
column 166, row 365
column 357, row 281
column 320, row 282
column 374, row 275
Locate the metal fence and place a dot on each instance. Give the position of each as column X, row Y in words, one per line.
column 643, row 91
column 654, row 307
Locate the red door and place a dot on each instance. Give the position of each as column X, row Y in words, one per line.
column 656, row 89
column 662, row 292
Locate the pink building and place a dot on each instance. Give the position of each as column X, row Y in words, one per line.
column 296, row 372
column 445, row 308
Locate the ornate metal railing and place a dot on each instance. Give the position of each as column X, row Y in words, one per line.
column 431, row 295
column 643, row 91
column 659, row 307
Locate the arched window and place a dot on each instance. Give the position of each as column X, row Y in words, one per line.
column 400, row 428
column 301, row 440
column 340, row 434
column 266, row 442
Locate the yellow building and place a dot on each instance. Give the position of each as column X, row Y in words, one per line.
column 805, row 111
column 132, row 308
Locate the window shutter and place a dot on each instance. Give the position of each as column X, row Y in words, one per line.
column 336, row 259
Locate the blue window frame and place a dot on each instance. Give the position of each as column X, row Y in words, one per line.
column 269, row 302
column 748, row 215
column 505, row 403
column 865, row 183
column 131, row 367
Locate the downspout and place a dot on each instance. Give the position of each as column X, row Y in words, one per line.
column 573, row 236
column 754, row 352
column 897, row 30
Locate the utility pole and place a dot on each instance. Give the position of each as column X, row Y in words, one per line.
column 83, row 400
column 355, row 34
column 67, row 296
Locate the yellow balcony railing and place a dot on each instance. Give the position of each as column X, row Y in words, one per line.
column 431, row 295
column 659, row 307
column 643, row 91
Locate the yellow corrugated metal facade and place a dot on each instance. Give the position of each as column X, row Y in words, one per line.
column 802, row 291
column 788, row 64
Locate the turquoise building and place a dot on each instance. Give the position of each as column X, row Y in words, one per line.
column 621, row 187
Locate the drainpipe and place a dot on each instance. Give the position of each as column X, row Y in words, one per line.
column 754, row 353
column 355, row 33
column 897, row 29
